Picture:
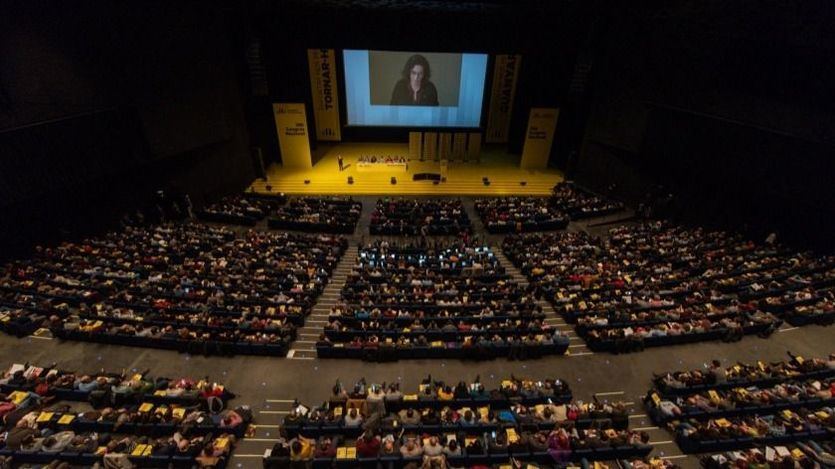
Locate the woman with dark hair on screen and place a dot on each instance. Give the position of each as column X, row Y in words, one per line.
column 414, row 87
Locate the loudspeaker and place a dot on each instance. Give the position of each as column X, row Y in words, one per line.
column 350, row 179
column 307, row 181
column 269, row 188
column 523, row 183
column 393, row 180
column 485, row 181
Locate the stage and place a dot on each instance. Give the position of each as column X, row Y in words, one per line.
column 462, row 178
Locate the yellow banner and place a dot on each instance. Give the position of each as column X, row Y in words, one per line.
column 505, row 74
column 291, row 125
column 539, row 137
column 323, row 86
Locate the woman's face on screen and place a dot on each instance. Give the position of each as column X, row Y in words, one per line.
column 416, row 77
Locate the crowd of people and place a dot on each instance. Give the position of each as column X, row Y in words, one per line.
column 744, row 405
column 579, row 203
column 188, row 287
column 246, row 209
column 810, row 454
column 127, row 420
column 655, row 283
column 334, row 215
column 443, row 300
column 457, row 425
column 426, row 217
column 520, row 214
column 532, row 214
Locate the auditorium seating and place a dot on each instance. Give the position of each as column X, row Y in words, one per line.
column 747, row 405
column 800, row 454
column 246, row 209
column 580, row 203
column 656, row 284
column 335, row 215
column 532, row 214
column 186, row 287
column 530, row 421
column 396, row 216
column 150, row 422
column 520, row 215
column 448, row 300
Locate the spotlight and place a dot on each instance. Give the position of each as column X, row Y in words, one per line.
column 350, row 179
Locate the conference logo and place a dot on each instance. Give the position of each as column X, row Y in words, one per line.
column 325, row 81
column 508, row 79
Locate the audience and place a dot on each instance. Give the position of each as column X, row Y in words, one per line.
column 515, row 420
column 246, row 209
column 520, row 214
column 337, row 215
column 443, row 300
column 579, row 203
column 412, row 217
column 656, row 284
column 135, row 420
column 722, row 408
column 188, row 287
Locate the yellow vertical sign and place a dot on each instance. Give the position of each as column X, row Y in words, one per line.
column 539, row 137
column 323, row 87
column 291, row 126
column 502, row 92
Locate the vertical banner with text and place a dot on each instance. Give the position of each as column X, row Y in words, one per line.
column 291, row 126
column 323, row 86
column 505, row 75
column 539, row 137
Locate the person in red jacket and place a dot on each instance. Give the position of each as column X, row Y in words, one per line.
column 368, row 445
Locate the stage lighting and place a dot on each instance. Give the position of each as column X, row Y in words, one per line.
column 350, row 179
column 393, row 180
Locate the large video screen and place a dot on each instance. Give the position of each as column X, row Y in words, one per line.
column 414, row 89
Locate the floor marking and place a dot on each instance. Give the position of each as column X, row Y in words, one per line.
column 611, row 393
column 247, row 455
column 638, row 416
column 281, row 400
column 274, row 412
column 580, row 354
column 41, row 338
column 643, row 429
column 659, row 443
column 291, row 353
column 575, row 346
column 269, row 440
column 676, row 456
column 303, row 358
column 787, row 329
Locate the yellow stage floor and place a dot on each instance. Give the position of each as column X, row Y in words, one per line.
column 462, row 178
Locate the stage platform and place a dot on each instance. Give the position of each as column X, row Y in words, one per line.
column 501, row 168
